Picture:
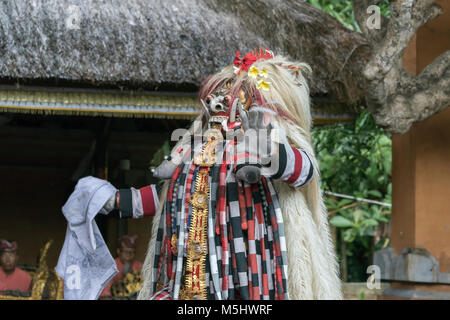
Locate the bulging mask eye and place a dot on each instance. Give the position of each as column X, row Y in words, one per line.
column 227, row 100
column 209, row 98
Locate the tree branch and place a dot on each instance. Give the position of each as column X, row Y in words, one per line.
column 417, row 98
column 407, row 16
column 394, row 97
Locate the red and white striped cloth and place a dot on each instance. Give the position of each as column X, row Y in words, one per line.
column 294, row 166
column 136, row 203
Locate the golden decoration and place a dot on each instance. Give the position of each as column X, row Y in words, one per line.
column 207, row 157
column 200, row 200
column 174, row 243
column 195, row 281
column 131, row 283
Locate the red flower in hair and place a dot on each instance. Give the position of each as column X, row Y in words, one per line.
column 237, row 59
column 246, row 62
column 250, row 58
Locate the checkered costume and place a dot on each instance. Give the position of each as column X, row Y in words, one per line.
column 246, row 256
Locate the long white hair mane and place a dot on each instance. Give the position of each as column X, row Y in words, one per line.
column 313, row 271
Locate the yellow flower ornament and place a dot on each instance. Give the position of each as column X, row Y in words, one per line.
column 263, row 73
column 264, row 85
column 253, row 72
column 257, row 74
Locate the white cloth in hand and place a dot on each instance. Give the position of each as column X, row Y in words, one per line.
column 85, row 262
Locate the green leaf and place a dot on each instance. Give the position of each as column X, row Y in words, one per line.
column 344, row 202
column 375, row 193
column 341, row 222
column 358, row 215
column 370, row 222
column 350, row 235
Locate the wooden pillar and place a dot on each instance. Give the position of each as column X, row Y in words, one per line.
column 421, row 181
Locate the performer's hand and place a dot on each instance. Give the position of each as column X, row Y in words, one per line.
column 165, row 170
column 255, row 143
column 110, row 204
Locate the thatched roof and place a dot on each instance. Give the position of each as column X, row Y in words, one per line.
column 151, row 44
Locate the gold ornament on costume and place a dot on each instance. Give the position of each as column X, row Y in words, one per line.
column 200, row 200
column 207, row 157
column 174, row 244
column 195, row 281
column 195, row 277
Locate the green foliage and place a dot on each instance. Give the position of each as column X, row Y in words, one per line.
column 342, row 10
column 355, row 159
